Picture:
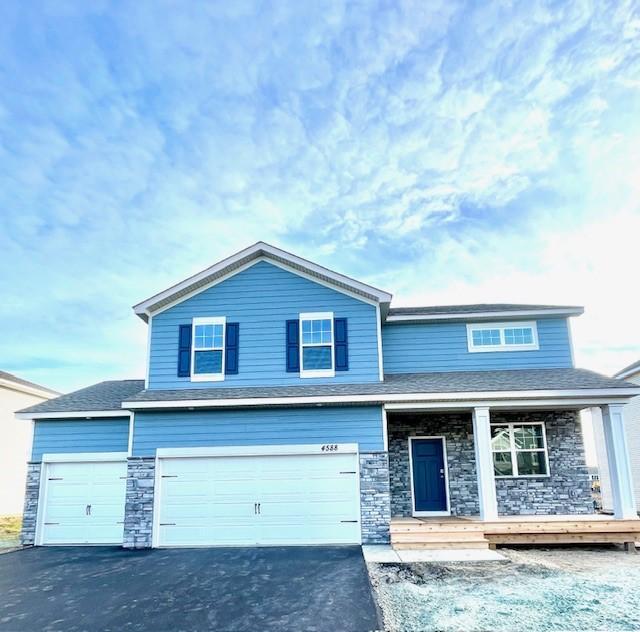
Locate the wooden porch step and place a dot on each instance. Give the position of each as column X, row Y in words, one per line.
column 563, row 538
column 438, row 536
column 441, row 545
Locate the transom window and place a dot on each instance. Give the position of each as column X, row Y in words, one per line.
column 208, row 349
column 519, row 450
column 502, row 336
column 316, row 345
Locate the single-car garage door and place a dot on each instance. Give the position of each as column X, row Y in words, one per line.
column 84, row 503
column 251, row 500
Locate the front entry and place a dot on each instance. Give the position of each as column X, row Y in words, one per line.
column 428, row 475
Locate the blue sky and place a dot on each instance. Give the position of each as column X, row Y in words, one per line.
column 447, row 152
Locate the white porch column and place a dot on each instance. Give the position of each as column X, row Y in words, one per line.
column 484, row 464
column 624, row 504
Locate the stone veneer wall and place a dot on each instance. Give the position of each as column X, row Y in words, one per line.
column 138, row 513
column 30, row 513
column 565, row 491
column 375, row 509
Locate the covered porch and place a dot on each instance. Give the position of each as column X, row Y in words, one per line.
column 503, row 472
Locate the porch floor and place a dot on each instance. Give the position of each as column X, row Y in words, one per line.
column 471, row 532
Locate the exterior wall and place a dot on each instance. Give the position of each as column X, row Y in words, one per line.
column 565, row 491
column 78, row 435
column 15, row 440
column 632, row 425
column 420, row 347
column 262, row 298
column 272, row 426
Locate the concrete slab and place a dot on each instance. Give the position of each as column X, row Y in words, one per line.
column 449, row 555
column 380, row 553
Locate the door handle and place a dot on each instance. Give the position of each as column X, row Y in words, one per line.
column 258, row 508
column 88, row 510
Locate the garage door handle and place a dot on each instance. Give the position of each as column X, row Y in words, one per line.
column 348, row 521
column 347, row 472
column 256, row 508
column 53, row 478
column 48, row 523
column 88, row 510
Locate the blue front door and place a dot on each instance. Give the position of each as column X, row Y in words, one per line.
column 429, row 483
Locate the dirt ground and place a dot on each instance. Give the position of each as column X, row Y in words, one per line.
column 9, row 531
column 533, row 589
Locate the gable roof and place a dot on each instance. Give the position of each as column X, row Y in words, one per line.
column 18, row 384
column 102, row 397
column 258, row 252
column 628, row 370
column 480, row 311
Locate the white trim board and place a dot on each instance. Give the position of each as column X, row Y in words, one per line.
column 29, row 390
column 83, row 457
column 80, row 414
column 256, row 450
column 582, row 395
column 447, row 511
column 251, row 255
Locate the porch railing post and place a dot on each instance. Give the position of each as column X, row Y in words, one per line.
column 484, row 464
column 624, row 504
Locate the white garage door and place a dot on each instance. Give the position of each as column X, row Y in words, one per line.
column 84, row 503
column 259, row 500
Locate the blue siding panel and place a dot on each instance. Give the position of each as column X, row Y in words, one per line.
column 284, row 426
column 79, row 435
column 262, row 298
column 415, row 348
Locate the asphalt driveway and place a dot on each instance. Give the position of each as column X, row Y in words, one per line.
column 100, row 588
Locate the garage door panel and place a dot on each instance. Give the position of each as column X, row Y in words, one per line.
column 84, row 503
column 304, row 499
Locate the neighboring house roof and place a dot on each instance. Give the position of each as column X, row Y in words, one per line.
column 109, row 397
column 239, row 261
column 480, row 311
column 18, row 384
column 628, row 371
column 104, row 396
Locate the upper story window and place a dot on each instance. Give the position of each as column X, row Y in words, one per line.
column 207, row 359
column 316, row 345
column 515, row 336
column 519, row 450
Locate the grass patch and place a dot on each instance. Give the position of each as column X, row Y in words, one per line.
column 10, row 527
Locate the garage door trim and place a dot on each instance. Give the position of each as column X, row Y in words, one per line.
column 240, row 451
column 65, row 457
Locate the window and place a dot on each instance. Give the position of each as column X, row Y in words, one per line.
column 519, row 450
column 207, row 361
column 502, row 337
column 316, row 345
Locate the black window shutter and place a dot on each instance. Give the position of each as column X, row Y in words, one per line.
column 184, row 351
column 293, row 346
column 341, row 344
column 231, row 348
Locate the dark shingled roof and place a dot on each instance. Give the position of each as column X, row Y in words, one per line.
column 110, row 395
column 102, row 396
column 436, row 382
column 18, row 380
column 446, row 310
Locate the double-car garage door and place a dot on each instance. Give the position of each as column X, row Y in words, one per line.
column 203, row 500
column 258, row 500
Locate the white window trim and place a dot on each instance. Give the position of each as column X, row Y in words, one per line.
column 317, row 372
column 471, row 327
column 208, row 377
column 514, row 451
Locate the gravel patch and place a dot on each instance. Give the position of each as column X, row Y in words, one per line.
column 534, row 590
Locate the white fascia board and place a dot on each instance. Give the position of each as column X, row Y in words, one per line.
column 256, row 450
column 252, row 254
column 627, row 373
column 29, row 390
column 613, row 394
column 396, row 318
column 84, row 414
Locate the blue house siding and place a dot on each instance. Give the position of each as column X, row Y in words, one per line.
column 284, row 426
column 411, row 348
column 262, row 298
column 79, row 435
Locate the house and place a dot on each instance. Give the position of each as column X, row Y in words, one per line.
column 630, row 373
column 285, row 403
column 15, row 438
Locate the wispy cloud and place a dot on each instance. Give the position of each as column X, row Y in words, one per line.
column 446, row 151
